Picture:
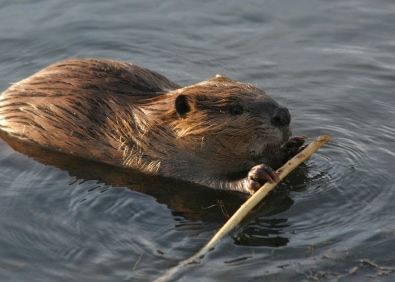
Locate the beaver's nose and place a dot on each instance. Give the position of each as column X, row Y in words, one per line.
column 281, row 117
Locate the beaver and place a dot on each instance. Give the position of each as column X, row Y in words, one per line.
column 219, row 133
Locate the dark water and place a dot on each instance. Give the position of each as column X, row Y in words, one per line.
column 331, row 63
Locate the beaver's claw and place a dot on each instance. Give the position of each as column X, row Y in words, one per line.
column 293, row 146
column 260, row 174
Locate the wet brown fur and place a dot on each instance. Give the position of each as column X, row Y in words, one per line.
column 129, row 116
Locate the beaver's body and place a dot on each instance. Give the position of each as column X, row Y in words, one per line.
column 212, row 133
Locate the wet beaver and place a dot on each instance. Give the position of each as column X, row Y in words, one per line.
column 219, row 133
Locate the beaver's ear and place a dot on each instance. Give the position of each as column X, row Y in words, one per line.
column 182, row 105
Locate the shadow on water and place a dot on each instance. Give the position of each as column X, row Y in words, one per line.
column 191, row 201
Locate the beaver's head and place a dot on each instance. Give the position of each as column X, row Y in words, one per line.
column 230, row 121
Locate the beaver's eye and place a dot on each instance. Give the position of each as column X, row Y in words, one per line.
column 236, row 110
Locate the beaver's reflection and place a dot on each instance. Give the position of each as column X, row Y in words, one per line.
column 193, row 202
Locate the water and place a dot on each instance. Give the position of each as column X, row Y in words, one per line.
column 331, row 63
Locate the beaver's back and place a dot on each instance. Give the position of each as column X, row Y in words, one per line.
column 66, row 106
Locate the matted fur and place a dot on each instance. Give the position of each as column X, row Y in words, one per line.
column 125, row 115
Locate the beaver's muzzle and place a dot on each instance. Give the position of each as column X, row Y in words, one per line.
column 281, row 117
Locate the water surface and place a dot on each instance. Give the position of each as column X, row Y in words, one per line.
column 331, row 63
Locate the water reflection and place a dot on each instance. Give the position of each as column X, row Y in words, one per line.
column 193, row 203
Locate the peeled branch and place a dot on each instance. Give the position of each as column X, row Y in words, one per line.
column 250, row 204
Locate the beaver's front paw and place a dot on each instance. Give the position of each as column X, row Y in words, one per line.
column 293, row 146
column 260, row 174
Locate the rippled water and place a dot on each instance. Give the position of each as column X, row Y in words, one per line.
column 331, row 63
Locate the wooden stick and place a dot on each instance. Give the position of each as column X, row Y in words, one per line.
column 249, row 205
